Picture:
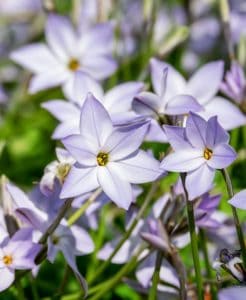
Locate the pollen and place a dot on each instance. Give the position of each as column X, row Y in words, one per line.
column 62, row 171
column 102, row 159
column 207, row 154
column 8, row 260
column 73, row 64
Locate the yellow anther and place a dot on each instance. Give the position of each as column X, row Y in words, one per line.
column 207, row 154
column 102, row 158
column 8, row 260
column 73, row 64
column 62, row 171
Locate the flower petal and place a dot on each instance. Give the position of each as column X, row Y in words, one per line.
column 199, row 181
column 42, row 58
column 229, row 115
column 176, row 137
column 156, row 133
column 77, row 88
column 183, row 161
column 139, row 168
column 205, row 82
column 121, row 257
column 66, row 128
column 95, row 123
column 119, row 99
column 196, row 131
column 83, row 241
column 215, row 133
column 146, row 104
column 60, row 36
column 239, row 200
column 125, row 141
column 48, row 79
column 76, row 145
column 223, row 156
column 7, row 278
column 100, row 35
column 231, row 293
column 62, row 110
column 175, row 83
column 118, row 190
column 71, row 260
column 79, row 181
column 99, row 67
column 146, row 269
column 182, row 104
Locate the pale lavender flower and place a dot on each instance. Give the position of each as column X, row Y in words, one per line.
column 160, row 104
column 146, row 268
column 20, row 7
column 16, row 253
column 234, row 85
column 239, row 200
column 71, row 241
column 199, row 149
column 205, row 213
column 203, row 85
column 67, row 52
column 57, row 169
column 117, row 101
column 231, row 293
column 107, row 157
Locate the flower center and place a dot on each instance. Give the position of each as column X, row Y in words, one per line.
column 62, row 171
column 55, row 239
column 207, row 154
column 73, row 64
column 102, row 158
column 7, row 260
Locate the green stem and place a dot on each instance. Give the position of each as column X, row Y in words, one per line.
column 235, row 215
column 156, row 277
column 61, row 214
column 194, row 243
column 99, row 239
column 207, row 263
column 21, row 294
column 127, row 268
column 127, row 233
column 78, row 213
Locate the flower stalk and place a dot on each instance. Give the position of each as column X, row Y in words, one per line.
column 156, row 277
column 194, row 242
column 203, row 241
column 240, row 236
column 78, row 213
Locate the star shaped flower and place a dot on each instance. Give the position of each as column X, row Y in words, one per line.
column 199, row 149
column 66, row 52
column 117, row 101
column 17, row 253
column 107, row 157
column 160, row 104
column 203, row 85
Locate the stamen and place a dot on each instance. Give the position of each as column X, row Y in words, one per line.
column 207, row 154
column 102, row 159
column 73, row 64
column 62, row 171
column 8, row 260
